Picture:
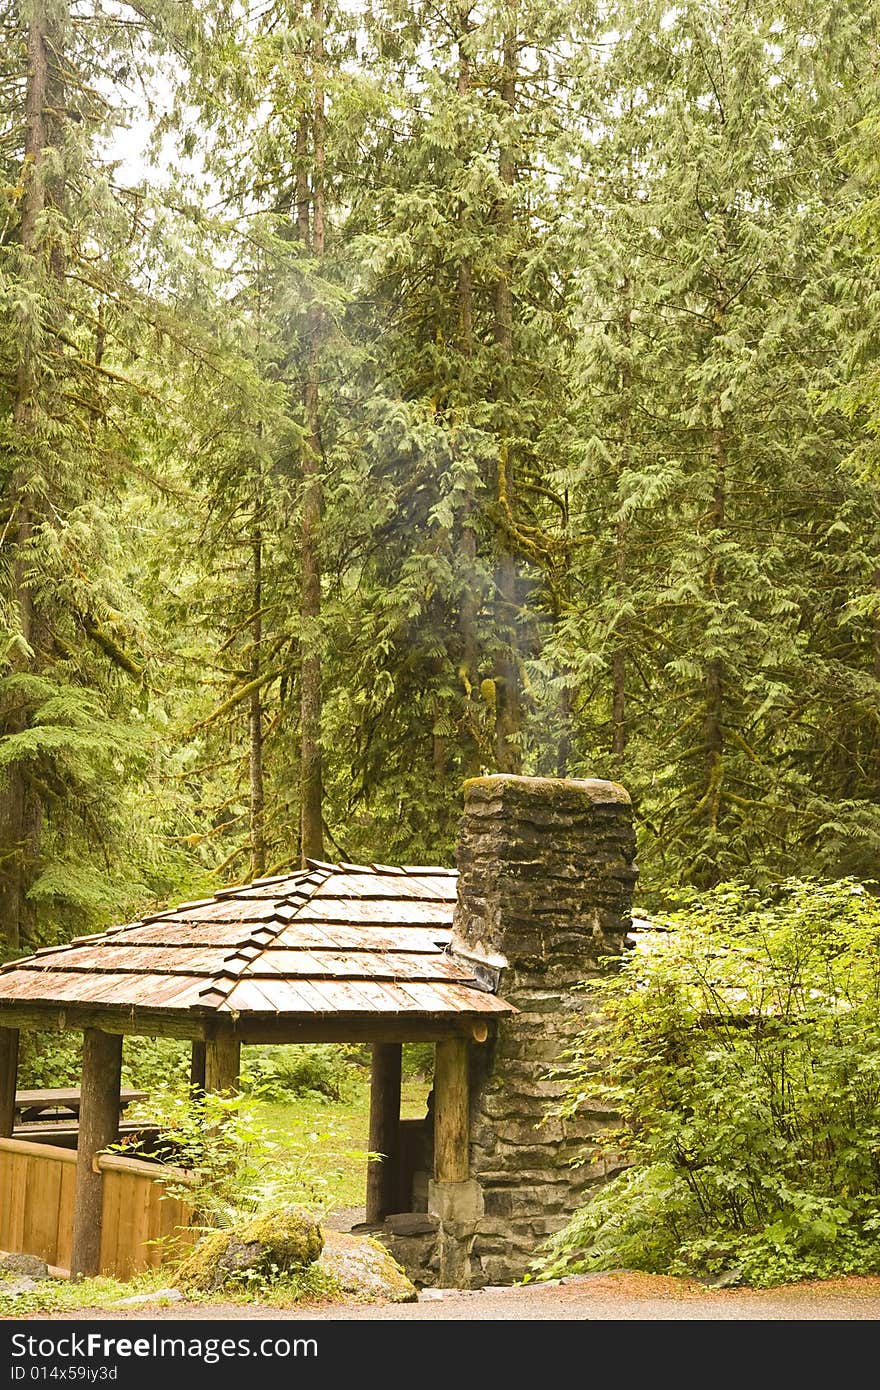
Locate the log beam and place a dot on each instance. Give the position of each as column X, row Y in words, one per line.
column 98, row 1127
column 385, row 1078
column 8, row 1080
column 144, row 1024
column 451, row 1106
column 246, row 1029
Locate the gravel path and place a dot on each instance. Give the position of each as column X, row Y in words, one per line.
column 609, row 1297
column 343, row 1218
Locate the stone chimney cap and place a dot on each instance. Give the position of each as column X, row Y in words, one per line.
column 547, row 789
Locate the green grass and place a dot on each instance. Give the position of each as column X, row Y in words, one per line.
column 309, row 1285
column 343, row 1127
column 66, row 1296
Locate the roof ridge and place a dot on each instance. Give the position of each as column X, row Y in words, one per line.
column 375, row 868
column 240, row 890
column 420, row 870
column 254, row 948
column 222, row 895
column 306, row 876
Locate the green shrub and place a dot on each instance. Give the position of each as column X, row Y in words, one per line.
column 418, row 1059
column 149, row 1063
column 49, row 1059
column 55, row 1059
column 742, row 1053
column 297, row 1070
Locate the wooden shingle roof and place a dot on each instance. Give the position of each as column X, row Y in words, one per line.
column 350, row 941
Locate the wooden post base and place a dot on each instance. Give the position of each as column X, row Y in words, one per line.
column 222, row 1066
column 384, row 1129
column 98, row 1127
column 451, row 1105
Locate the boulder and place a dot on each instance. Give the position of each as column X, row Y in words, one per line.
column 417, row 1251
column 727, row 1279
column 364, row 1269
column 276, row 1242
column 29, row 1266
column 11, row 1288
column 157, row 1296
column 412, row 1223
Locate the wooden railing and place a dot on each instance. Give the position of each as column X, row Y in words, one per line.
column 36, row 1208
column 36, row 1200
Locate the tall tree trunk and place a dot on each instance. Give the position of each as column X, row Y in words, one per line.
column 303, row 191
column 875, row 664
column 20, row 810
column 311, row 778
column 619, row 732
column 618, row 703
column 713, row 725
column 469, row 606
column 257, row 790
column 508, row 702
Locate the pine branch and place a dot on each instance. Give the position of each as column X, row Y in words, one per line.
column 236, row 698
column 110, row 647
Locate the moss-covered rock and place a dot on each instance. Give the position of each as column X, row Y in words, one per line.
column 364, row 1269
column 278, row 1241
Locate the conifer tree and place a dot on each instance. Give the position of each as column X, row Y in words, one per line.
column 715, row 332
column 470, row 301
column 75, row 398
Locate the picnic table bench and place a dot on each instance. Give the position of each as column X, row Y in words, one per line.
column 60, row 1103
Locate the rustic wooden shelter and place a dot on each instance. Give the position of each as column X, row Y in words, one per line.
column 335, row 952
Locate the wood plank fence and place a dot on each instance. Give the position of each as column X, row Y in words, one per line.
column 36, row 1208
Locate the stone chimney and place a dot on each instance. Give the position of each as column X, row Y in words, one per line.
column 546, row 874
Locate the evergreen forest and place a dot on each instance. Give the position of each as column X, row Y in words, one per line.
column 395, row 391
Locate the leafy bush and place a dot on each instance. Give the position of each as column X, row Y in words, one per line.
column 49, row 1059
column 150, row 1063
column 418, row 1059
column 55, row 1059
column 309, row 1069
column 742, row 1053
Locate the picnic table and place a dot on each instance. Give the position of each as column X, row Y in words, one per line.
column 60, row 1103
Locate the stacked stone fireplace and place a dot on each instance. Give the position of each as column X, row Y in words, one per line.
column 546, row 874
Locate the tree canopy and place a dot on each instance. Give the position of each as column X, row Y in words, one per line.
column 394, row 392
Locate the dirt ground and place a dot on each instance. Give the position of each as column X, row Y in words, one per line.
column 607, row 1297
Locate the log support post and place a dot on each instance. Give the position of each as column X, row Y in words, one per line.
column 222, row 1066
column 384, row 1129
column 453, row 1196
column 197, row 1067
column 8, row 1080
column 98, row 1127
column 451, row 1130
